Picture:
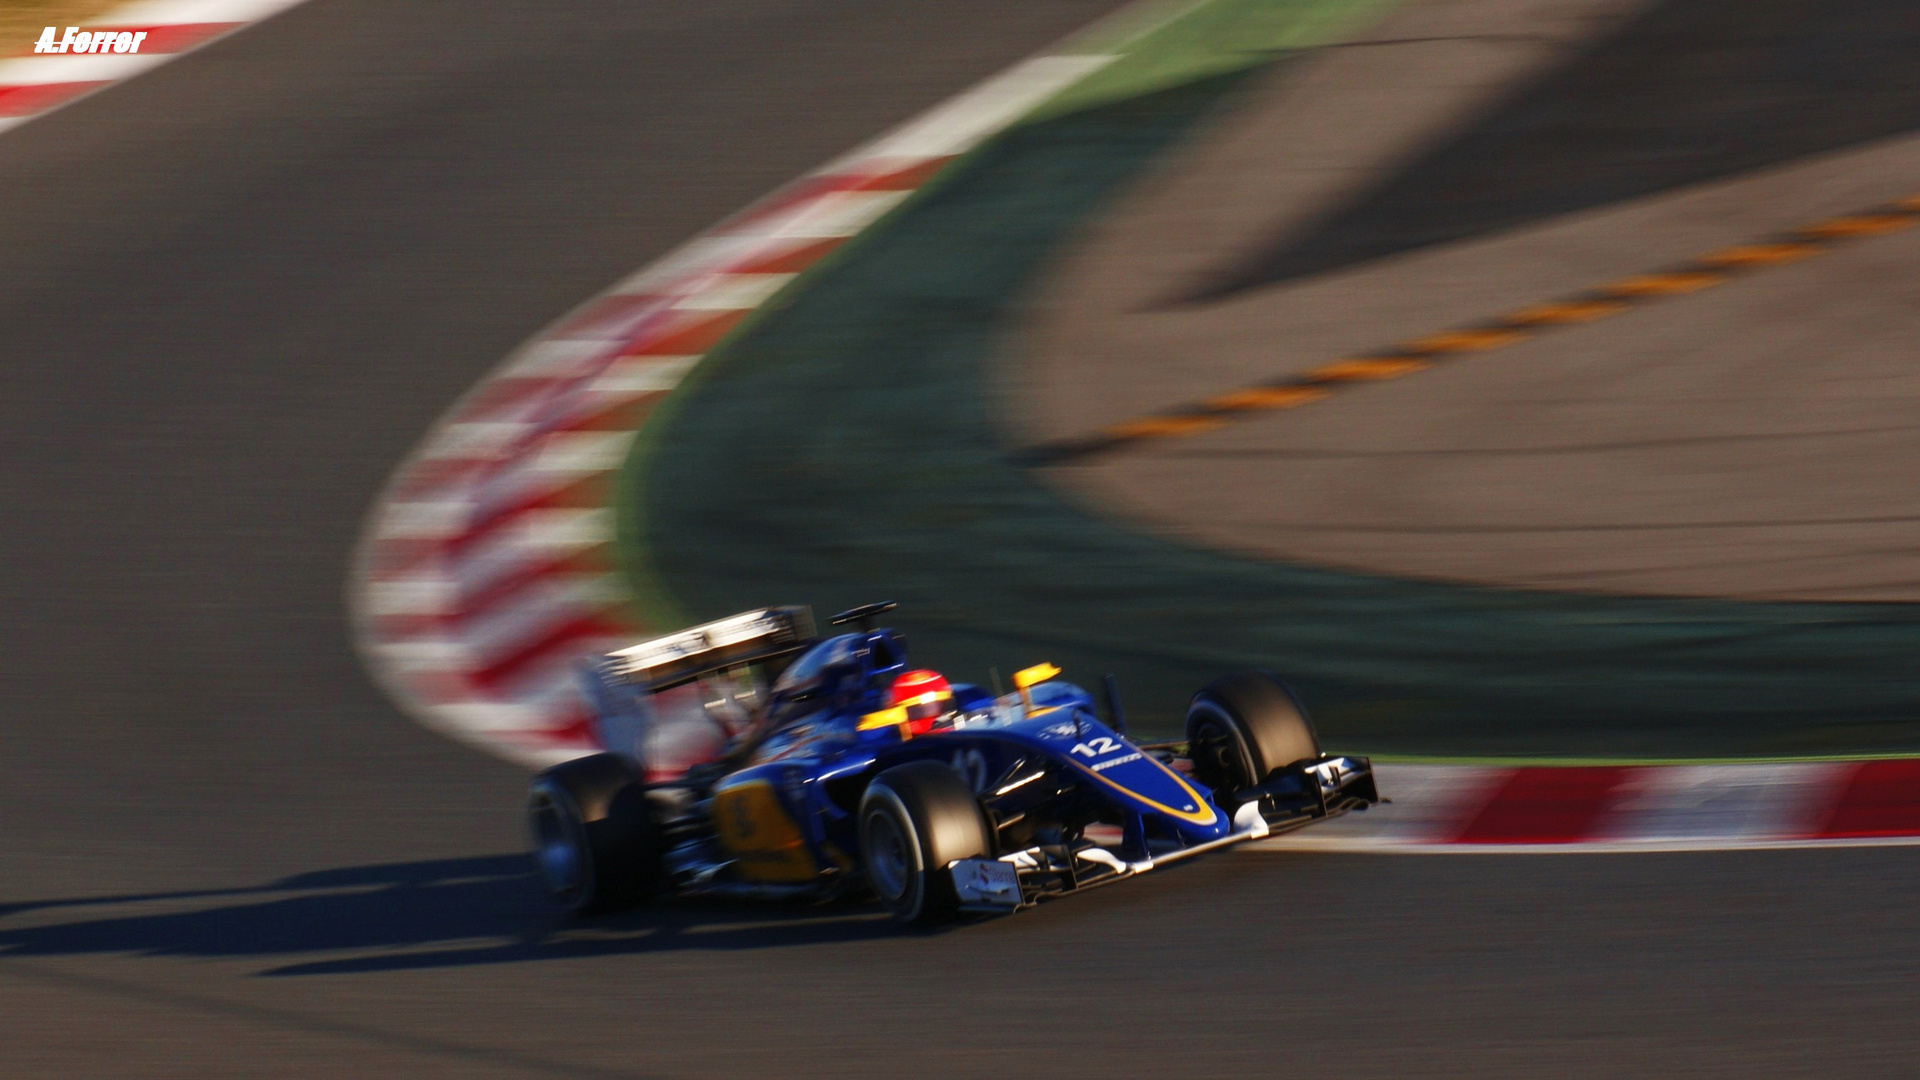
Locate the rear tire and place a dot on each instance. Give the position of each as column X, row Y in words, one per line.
column 596, row 841
column 1243, row 727
column 914, row 820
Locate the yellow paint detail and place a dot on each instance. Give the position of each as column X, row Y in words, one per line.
column 1265, row 397
column 1158, row 426
column 757, row 831
column 1367, row 370
column 1862, row 225
column 1026, row 678
column 1663, row 284
column 1034, row 675
column 1572, row 311
column 1759, row 254
column 1201, row 814
column 884, row 718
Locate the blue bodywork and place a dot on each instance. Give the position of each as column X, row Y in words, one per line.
column 782, row 798
column 820, row 763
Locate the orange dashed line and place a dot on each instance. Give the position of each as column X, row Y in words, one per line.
column 1466, row 340
column 1265, row 397
column 1861, row 225
column 1573, row 311
column 1362, row 370
column 1159, row 426
column 1609, row 300
column 1758, row 255
column 1663, row 284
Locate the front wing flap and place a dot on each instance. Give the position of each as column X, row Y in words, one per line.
column 1291, row 798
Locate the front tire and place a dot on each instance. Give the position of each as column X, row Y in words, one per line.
column 595, row 838
column 914, row 820
column 1243, row 727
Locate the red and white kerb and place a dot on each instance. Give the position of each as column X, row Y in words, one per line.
column 62, row 64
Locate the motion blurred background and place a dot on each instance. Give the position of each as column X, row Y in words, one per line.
column 1524, row 379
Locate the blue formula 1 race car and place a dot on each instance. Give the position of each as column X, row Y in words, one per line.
column 747, row 757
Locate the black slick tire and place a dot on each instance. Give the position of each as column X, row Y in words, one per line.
column 915, row 819
column 596, row 840
column 1243, row 727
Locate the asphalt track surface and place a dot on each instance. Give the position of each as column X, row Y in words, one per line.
column 234, row 292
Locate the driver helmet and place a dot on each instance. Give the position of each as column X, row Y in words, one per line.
column 925, row 696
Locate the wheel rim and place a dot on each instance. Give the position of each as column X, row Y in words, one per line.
column 556, row 845
column 888, row 864
column 1215, row 754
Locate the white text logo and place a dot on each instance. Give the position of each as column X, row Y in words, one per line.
column 99, row 41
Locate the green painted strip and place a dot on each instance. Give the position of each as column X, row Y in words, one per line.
column 1160, row 45
column 1209, row 39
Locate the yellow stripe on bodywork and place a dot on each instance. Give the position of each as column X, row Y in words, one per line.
column 884, row 718
column 1201, row 815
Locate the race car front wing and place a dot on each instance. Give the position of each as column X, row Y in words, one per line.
column 1289, row 799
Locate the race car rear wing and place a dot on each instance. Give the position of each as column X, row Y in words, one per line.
column 679, row 658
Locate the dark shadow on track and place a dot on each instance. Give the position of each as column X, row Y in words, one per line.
column 1690, row 91
column 478, row 911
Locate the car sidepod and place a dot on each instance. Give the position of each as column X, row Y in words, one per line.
column 775, row 822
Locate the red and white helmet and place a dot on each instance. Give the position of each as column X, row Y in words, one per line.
column 925, row 696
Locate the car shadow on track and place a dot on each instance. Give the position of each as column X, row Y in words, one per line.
column 401, row 916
